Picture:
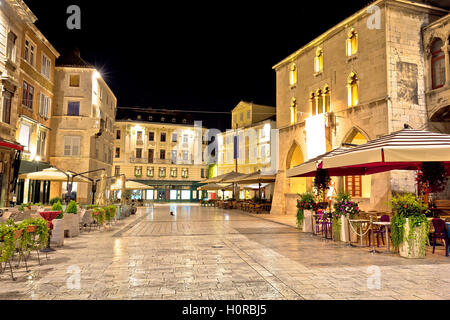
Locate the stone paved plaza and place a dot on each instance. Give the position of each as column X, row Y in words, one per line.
column 210, row 253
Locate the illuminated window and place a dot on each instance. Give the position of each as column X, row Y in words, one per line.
column 162, row 172
column 150, row 172
column 353, row 186
column 138, row 171
column 352, row 90
column 30, row 52
column 293, row 75
column 318, row 61
column 319, row 104
column 11, row 46
column 312, row 102
column 437, row 65
column 173, row 172
column 138, row 153
column 117, row 153
column 117, row 171
column 326, row 100
column 352, row 43
column 293, row 111
column 185, row 173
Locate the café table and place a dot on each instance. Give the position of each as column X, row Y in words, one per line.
column 49, row 216
column 360, row 222
column 386, row 225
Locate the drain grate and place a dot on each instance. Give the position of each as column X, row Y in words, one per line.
column 217, row 246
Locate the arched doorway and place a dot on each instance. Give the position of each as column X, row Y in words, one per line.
column 440, row 120
column 295, row 158
column 357, row 186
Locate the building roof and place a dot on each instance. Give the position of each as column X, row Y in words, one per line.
column 72, row 59
column 150, row 115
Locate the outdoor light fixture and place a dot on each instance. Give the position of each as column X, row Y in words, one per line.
column 37, row 158
column 97, row 74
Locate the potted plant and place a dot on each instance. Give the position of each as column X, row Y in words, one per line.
column 98, row 214
column 71, row 219
column 409, row 226
column 57, row 237
column 344, row 209
column 306, row 206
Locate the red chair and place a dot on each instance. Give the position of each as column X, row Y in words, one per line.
column 380, row 231
column 440, row 232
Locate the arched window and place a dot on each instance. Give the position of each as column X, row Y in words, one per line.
column 318, row 60
column 352, row 90
column 312, row 103
column 319, row 103
column 293, row 75
column 437, row 64
column 326, row 99
column 293, row 111
column 352, row 43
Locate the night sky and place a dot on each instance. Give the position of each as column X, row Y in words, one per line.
column 190, row 56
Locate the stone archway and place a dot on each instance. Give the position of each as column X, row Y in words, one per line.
column 294, row 158
column 440, row 119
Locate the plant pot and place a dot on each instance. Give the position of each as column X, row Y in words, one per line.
column 337, row 231
column 31, row 229
column 71, row 225
column 57, row 238
column 307, row 221
column 413, row 246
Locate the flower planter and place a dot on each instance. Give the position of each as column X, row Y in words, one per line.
column 307, row 221
column 31, row 229
column 57, row 238
column 71, row 224
column 413, row 247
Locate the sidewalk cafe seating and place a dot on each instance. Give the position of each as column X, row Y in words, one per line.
column 440, row 232
column 380, row 231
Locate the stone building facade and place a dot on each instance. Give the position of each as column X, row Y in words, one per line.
column 82, row 136
column 162, row 149
column 364, row 78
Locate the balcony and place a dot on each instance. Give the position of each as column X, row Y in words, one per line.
column 139, row 142
column 138, row 160
column 162, row 161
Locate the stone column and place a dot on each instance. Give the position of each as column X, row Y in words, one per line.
column 25, row 190
column 445, row 48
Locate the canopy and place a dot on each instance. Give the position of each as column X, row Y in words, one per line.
column 308, row 168
column 255, row 177
column 223, row 178
column 52, row 174
column 401, row 150
column 130, row 185
column 215, row 187
column 255, row 186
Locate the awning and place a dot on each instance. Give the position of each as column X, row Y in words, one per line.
column 224, row 178
column 52, row 174
column 255, row 177
column 402, row 150
column 255, row 186
column 129, row 185
column 215, row 187
column 11, row 145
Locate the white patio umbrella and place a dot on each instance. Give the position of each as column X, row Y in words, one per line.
column 130, row 185
column 52, row 174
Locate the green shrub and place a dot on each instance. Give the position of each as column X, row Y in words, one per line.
column 110, row 212
column 58, row 207
column 98, row 214
column 72, row 207
column 55, row 200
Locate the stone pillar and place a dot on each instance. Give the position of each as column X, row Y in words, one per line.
column 26, row 188
column 445, row 48
column 280, row 189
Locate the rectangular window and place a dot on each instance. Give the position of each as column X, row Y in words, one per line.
column 138, row 153
column 174, row 137
column 174, row 156
column 73, row 108
column 117, row 153
column 72, row 146
column 248, row 115
column 162, row 172
column 138, row 171
column 11, row 46
column 139, row 136
column 185, row 138
column 185, row 195
column 173, row 172
column 162, row 154
column 185, row 156
column 185, row 173
column 118, row 134
column 6, row 112
column 24, row 135
column 163, row 137
column 44, row 106
column 151, row 136
column 150, row 155
column 150, row 172
column 46, row 66
column 353, row 186
column 241, row 116
column 74, row 80
column 30, row 52
column 117, row 171
column 27, row 95
column 41, row 144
